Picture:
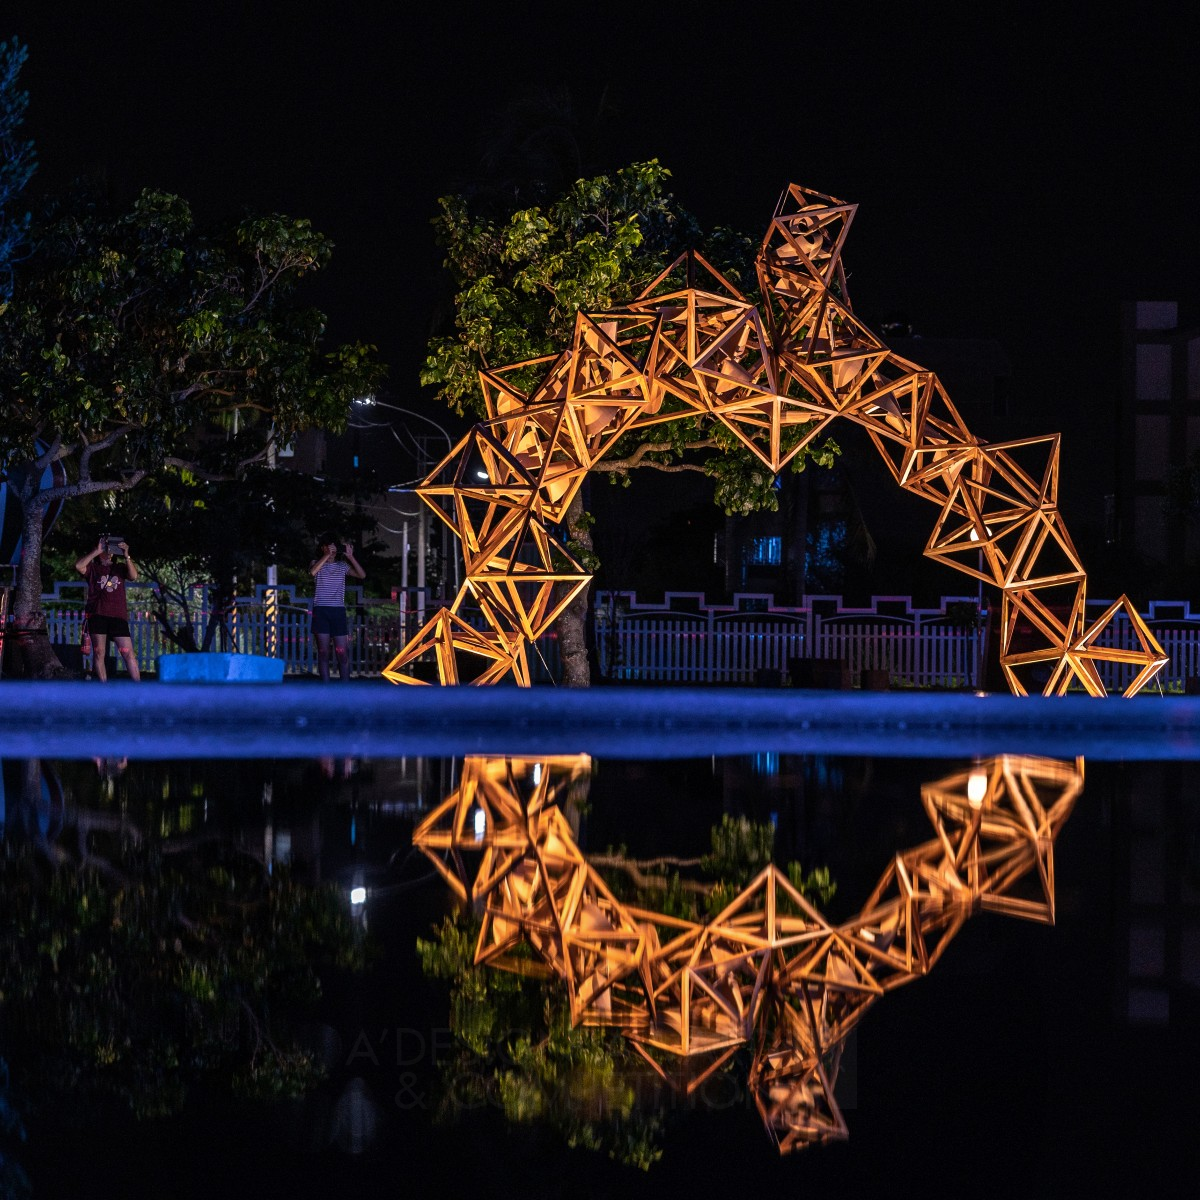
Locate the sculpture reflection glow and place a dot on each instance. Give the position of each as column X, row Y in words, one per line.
column 769, row 971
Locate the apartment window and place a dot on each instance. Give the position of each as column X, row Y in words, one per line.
column 765, row 552
column 1151, row 447
column 1153, row 372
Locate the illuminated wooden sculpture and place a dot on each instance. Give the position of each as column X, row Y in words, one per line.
column 690, row 345
column 769, row 971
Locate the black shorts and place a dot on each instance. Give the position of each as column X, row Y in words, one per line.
column 329, row 619
column 108, row 627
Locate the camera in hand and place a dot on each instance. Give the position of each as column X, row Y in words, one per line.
column 113, row 544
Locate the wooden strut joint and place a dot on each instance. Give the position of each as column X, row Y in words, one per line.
column 769, row 972
column 692, row 345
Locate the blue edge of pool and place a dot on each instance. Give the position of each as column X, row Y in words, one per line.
column 301, row 720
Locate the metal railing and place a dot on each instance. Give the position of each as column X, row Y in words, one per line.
column 682, row 639
column 278, row 626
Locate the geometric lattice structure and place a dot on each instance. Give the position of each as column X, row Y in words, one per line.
column 770, row 971
column 692, row 345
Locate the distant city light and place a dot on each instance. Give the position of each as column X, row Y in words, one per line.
column 358, row 895
column 480, row 824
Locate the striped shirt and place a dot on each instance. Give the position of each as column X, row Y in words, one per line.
column 331, row 585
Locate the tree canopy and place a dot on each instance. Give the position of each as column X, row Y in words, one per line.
column 141, row 960
column 18, row 160
column 520, row 277
column 136, row 341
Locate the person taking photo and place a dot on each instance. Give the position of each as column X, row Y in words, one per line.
column 329, row 605
column 107, row 607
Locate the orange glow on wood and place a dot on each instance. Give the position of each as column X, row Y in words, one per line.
column 776, row 378
column 769, row 971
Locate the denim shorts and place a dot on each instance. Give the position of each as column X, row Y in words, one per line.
column 329, row 619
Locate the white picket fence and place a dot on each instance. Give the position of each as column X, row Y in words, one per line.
column 933, row 656
column 251, row 631
column 379, row 629
column 681, row 648
column 747, row 639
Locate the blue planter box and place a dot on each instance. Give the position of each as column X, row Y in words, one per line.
column 219, row 668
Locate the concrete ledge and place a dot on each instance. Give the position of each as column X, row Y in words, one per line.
column 219, row 668
column 302, row 720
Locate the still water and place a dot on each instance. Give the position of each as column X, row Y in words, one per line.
column 213, row 977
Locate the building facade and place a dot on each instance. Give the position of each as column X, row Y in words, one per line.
column 1158, row 437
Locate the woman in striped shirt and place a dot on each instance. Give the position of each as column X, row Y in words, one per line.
column 329, row 605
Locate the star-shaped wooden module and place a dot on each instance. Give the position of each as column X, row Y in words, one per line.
column 1099, row 644
column 916, row 429
column 802, row 249
column 463, row 653
column 997, row 824
column 525, row 581
column 553, row 901
column 1001, row 523
column 708, row 999
column 793, row 1082
column 491, row 816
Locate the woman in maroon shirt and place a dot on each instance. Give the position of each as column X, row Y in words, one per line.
column 107, row 608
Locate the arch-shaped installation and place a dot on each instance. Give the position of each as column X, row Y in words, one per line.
column 769, row 972
column 691, row 344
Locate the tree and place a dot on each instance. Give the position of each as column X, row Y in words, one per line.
column 520, row 278
column 17, row 162
column 136, row 342
column 514, row 1044
column 141, row 959
column 14, row 1181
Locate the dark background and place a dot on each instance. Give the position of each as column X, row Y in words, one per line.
column 1020, row 172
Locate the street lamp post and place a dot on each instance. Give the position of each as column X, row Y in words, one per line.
column 980, row 629
column 422, row 515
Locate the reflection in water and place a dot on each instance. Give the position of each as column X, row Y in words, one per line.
column 769, row 972
column 142, row 954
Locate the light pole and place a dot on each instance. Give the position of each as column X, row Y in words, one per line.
column 422, row 514
column 980, row 629
column 271, row 608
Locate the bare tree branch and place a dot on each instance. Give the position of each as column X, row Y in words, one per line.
column 54, row 452
column 637, row 871
column 105, row 443
column 88, row 487
column 638, row 457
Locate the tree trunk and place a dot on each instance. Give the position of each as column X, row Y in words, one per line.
column 794, row 528
column 732, row 556
column 27, row 646
column 572, row 625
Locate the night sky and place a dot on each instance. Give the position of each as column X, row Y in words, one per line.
column 1018, row 174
